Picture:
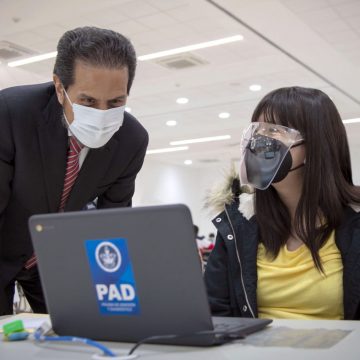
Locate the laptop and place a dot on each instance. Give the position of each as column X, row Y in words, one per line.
column 128, row 274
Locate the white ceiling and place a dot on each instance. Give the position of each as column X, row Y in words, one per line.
column 323, row 34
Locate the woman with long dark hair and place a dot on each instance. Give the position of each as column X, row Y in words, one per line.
column 291, row 248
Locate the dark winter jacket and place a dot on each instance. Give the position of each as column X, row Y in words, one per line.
column 231, row 271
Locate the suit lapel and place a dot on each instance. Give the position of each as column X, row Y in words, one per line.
column 53, row 147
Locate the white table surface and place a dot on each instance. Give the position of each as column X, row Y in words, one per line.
column 283, row 339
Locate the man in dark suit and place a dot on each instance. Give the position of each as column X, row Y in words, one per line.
column 64, row 144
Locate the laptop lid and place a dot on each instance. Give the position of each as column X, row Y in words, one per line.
column 122, row 274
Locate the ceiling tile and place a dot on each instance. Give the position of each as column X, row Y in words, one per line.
column 166, row 4
column 157, row 20
column 349, row 9
column 138, row 8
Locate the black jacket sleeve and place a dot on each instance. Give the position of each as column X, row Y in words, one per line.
column 6, row 156
column 217, row 279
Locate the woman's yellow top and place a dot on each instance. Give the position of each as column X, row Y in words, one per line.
column 291, row 287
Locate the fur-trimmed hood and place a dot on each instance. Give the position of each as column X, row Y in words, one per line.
column 228, row 191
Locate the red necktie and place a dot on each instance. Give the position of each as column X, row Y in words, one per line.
column 72, row 170
column 71, row 173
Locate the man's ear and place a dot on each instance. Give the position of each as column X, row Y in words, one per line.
column 59, row 89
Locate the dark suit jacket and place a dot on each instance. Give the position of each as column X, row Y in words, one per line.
column 33, row 148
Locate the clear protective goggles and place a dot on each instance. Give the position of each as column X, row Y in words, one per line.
column 264, row 147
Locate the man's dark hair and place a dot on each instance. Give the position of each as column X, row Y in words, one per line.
column 93, row 46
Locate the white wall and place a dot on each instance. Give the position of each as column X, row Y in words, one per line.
column 160, row 183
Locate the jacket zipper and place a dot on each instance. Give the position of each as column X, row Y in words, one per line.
column 238, row 258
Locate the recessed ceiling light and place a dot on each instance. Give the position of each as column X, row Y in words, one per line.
column 224, row 115
column 33, row 59
column 255, row 87
column 200, row 140
column 128, row 109
column 188, row 48
column 351, row 121
column 171, row 123
column 165, row 150
column 188, row 162
column 182, row 100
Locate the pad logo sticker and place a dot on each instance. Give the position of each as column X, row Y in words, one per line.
column 112, row 276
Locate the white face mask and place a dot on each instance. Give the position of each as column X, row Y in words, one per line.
column 94, row 127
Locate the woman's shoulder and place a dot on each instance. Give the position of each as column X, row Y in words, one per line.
column 355, row 208
column 351, row 219
column 350, row 224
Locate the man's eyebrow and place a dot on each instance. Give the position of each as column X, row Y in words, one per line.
column 122, row 97
column 86, row 96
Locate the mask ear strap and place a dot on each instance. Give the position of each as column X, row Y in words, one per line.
column 297, row 167
column 299, row 143
column 67, row 96
column 303, row 164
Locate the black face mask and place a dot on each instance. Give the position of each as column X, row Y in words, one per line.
column 267, row 161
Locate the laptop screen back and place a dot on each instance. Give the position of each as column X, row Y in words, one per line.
column 121, row 274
